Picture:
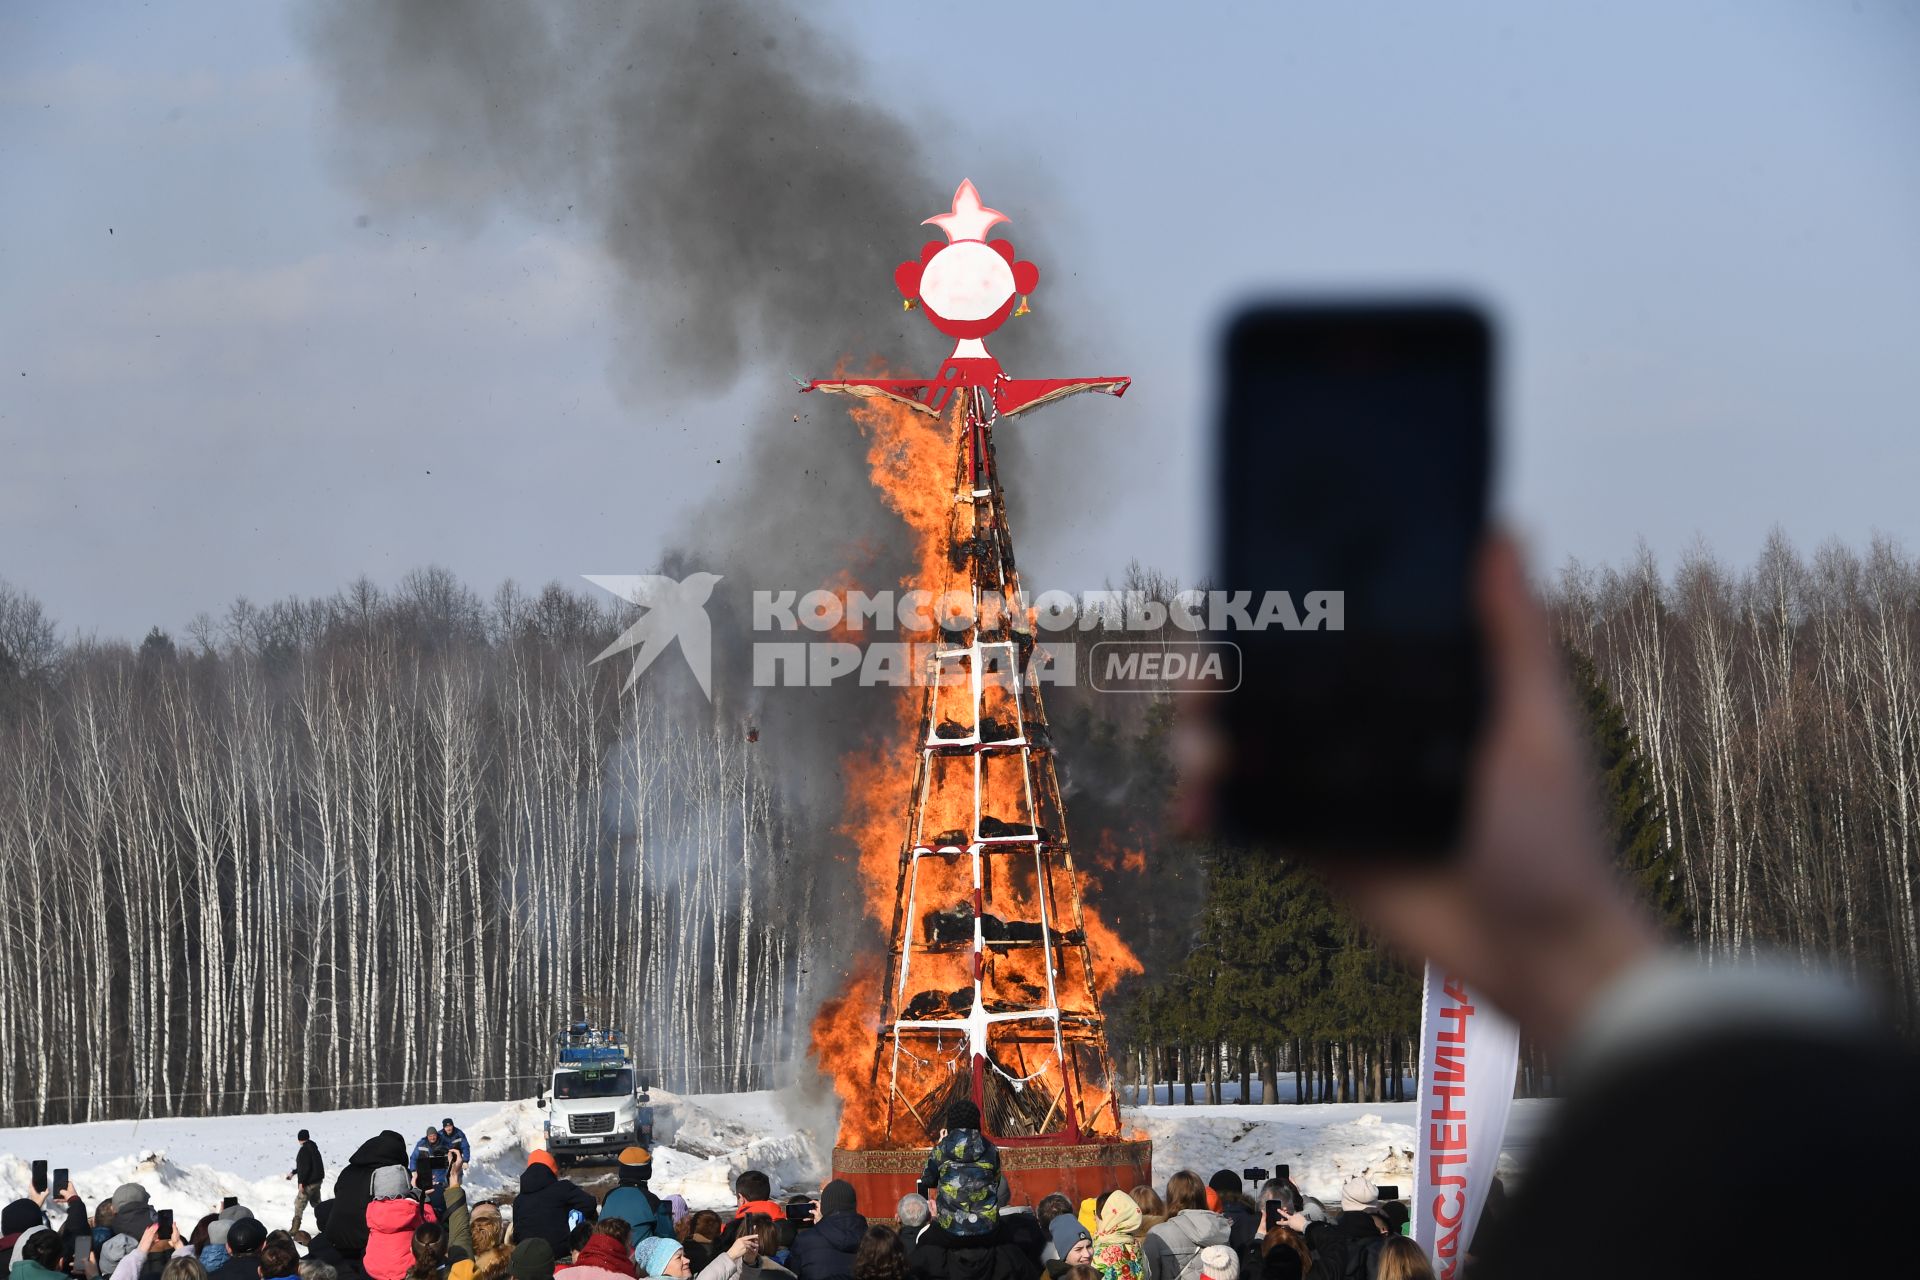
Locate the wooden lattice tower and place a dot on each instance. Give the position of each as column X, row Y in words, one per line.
column 990, row 988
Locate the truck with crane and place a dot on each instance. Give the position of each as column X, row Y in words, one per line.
column 596, row 1104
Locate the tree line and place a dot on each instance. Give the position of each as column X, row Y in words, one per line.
column 1757, row 739
column 377, row 847
column 372, row 849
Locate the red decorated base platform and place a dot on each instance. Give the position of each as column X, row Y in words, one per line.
column 1079, row 1170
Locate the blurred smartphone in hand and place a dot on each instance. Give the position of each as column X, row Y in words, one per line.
column 1355, row 452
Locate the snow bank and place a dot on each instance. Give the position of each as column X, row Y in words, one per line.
column 702, row 1141
column 189, row 1165
column 1324, row 1144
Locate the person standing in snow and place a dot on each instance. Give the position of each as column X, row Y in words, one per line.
column 429, row 1147
column 662, row 1257
column 965, row 1240
column 36, row 1256
column 429, row 1247
column 827, row 1252
column 633, row 1201
column 1116, row 1250
column 245, row 1238
column 540, row 1210
column 454, row 1138
column 146, row 1255
column 607, row 1254
column 1350, row 1246
column 1172, row 1249
column 309, row 1174
column 912, row 1213
column 346, row 1224
column 1229, row 1200
column 1070, row 1244
column 395, row 1210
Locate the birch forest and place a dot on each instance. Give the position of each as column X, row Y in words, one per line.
column 375, row 849
column 369, row 850
column 1778, row 711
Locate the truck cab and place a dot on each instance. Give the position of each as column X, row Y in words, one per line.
column 596, row 1105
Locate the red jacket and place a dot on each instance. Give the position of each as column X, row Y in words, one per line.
column 769, row 1207
column 390, row 1225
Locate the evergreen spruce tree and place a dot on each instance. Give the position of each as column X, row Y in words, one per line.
column 1636, row 829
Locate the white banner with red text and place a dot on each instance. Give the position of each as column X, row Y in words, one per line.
column 1468, row 1053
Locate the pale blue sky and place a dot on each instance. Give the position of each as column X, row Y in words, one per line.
column 1699, row 221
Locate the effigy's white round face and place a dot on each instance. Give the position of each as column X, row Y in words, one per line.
column 967, row 280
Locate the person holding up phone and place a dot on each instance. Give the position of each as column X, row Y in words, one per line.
column 430, row 1153
column 827, row 1249
column 21, row 1216
column 160, row 1239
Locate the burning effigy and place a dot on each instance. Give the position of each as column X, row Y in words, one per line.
column 989, row 989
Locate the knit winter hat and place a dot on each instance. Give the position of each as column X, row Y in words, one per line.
column 655, row 1254
column 18, row 1216
column 217, row 1231
column 545, row 1158
column 235, row 1212
column 389, row 1182
column 636, row 1155
column 838, row 1197
column 680, row 1210
column 128, row 1194
column 1066, row 1231
column 1358, row 1194
column 1227, row 1182
column 301, row 1136
column 532, row 1260
column 1217, row 1262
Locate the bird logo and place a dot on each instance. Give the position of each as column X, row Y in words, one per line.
column 674, row 610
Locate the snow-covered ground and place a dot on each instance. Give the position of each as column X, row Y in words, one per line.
column 1323, row 1145
column 703, row 1140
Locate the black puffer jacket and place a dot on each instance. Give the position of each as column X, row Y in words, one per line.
column 542, row 1206
column 941, row 1255
column 1243, row 1227
column 307, row 1166
column 1349, row 1247
column 353, row 1189
column 825, row 1250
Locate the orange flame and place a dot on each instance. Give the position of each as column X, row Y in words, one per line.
column 910, row 460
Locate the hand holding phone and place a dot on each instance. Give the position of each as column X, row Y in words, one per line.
column 163, row 1225
column 62, row 1183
